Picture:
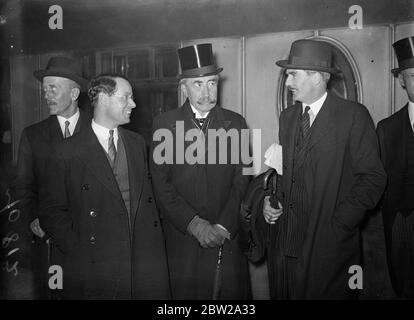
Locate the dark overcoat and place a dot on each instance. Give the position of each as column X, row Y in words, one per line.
column 37, row 143
column 105, row 254
column 344, row 177
column 212, row 191
column 392, row 135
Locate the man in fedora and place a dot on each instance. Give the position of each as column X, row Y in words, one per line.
column 62, row 83
column 332, row 175
column 200, row 202
column 396, row 137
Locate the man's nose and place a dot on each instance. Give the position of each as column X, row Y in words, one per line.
column 288, row 80
column 132, row 103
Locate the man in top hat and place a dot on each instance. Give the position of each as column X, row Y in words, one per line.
column 332, row 175
column 62, row 83
column 396, row 137
column 200, row 202
column 99, row 206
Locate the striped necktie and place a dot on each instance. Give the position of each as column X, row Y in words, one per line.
column 67, row 132
column 305, row 123
column 111, row 148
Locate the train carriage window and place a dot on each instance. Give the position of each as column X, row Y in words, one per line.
column 346, row 84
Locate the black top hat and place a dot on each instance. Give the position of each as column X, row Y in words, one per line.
column 404, row 49
column 197, row 61
column 65, row 68
column 307, row 54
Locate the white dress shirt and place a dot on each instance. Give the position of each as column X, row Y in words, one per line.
column 102, row 134
column 314, row 107
column 73, row 120
column 411, row 113
column 197, row 113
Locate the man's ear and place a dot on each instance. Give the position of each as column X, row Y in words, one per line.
column 74, row 93
column 401, row 78
column 184, row 90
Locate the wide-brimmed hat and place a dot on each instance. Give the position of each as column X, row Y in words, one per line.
column 65, row 68
column 307, row 54
column 404, row 49
column 197, row 61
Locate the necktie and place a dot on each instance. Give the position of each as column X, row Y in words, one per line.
column 111, row 148
column 67, row 132
column 201, row 121
column 305, row 123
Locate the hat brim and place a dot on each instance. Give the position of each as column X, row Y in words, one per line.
column 285, row 64
column 40, row 74
column 198, row 73
column 396, row 71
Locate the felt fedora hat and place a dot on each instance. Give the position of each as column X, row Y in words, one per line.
column 404, row 49
column 197, row 61
column 65, row 68
column 307, row 54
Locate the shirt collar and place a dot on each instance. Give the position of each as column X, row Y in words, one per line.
column 73, row 120
column 317, row 105
column 103, row 132
column 197, row 113
column 411, row 113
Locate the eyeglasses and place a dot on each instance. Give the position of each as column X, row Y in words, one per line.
column 125, row 97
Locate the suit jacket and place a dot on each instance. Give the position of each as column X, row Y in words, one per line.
column 392, row 135
column 83, row 211
column 37, row 143
column 344, row 178
column 212, row 191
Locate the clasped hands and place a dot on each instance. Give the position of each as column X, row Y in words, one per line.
column 271, row 214
column 208, row 235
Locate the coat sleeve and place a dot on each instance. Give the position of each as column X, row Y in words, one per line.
column 370, row 177
column 54, row 213
column 25, row 183
column 229, row 216
column 172, row 205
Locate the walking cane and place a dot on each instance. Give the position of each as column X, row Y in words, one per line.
column 217, row 275
column 49, row 243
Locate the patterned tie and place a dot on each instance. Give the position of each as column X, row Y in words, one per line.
column 201, row 121
column 67, row 132
column 305, row 123
column 111, row 148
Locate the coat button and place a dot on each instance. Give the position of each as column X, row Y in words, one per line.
column 92, row 240
column 155, row 223
column 293, row 180
column 149, row 199
column 86, row 186
column 93, row 213
column 291, row 205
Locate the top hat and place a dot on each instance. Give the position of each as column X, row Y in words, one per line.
column 65, row 68
column 197, row 61
column 404, row 49
column 309, row 54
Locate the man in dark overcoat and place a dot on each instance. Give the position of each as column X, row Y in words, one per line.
column 332, row 175
column 62, row 83
column 99, row 209
column 200, row 200
column 396, row 137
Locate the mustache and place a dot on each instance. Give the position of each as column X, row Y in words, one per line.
column 206, row 100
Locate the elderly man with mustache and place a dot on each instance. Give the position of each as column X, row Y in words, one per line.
column 62, row 83
column 200, row 202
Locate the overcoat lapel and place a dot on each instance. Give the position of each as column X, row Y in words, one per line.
column 136, row 165
column 323, row 124
column 93, row 155
column 398, row 139
column 289, row 150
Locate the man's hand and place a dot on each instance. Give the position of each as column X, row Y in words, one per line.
column 271, row 214
column 36, row 229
